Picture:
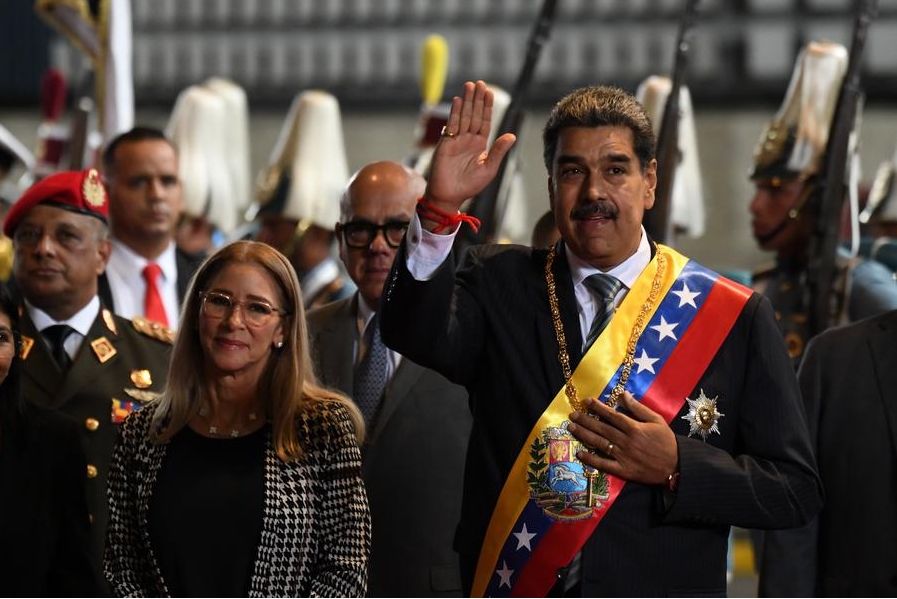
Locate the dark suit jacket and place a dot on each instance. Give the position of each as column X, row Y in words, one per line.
column 44, row 527
column 186, row 266
column 413, row 463
column 849, row 383
column 491, row 330
column 87, row 391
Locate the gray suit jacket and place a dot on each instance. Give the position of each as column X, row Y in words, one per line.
column 413, row 462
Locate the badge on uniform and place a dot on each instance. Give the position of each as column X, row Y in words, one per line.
column 142, row 380
column 103, row 349
column 703, row 416
column 121, row 409
column 92, row 189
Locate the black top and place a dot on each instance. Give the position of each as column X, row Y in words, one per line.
column 205, row 516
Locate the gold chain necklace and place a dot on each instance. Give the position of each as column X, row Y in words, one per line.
column 628, row 361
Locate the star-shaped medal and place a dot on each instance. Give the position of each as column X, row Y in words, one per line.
column 703, row 417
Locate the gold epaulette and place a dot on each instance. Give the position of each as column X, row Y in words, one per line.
column 153, row 329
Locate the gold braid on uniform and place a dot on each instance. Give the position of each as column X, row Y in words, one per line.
column 153, row 329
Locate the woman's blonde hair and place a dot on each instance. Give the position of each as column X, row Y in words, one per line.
column 288, row 384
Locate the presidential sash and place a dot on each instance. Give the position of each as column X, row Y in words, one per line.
column 551, row 502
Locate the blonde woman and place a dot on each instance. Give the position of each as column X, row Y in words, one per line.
column 244, row 477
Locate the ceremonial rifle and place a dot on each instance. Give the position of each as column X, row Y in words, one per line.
column 79, row 146
column 824, row 241
column 657, row 219
column 486, row 205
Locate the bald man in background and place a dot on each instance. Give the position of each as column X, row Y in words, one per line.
column 418, row 422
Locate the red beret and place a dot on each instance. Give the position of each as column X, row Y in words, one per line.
column 78, row 191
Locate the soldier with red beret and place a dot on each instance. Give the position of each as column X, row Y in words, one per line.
column 78, row 357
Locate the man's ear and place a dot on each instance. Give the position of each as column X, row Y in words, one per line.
column 650, row 183
column 104, row 250
column 551, row 193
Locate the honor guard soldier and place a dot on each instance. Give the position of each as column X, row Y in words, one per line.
column 687, row 214
column 79, row 357
column 786, row 173
column 298, row 200
column 879, row 216
column 210, row 127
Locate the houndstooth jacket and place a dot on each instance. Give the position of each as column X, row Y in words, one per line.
column 316, row 529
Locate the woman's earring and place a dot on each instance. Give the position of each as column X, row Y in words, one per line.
column 279, row 344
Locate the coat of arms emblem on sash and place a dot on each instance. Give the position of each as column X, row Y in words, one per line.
column 562, row 486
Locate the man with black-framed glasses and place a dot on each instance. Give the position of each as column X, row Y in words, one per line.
column 418, row 422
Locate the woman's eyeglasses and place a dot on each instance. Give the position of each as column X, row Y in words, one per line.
column 255, row 312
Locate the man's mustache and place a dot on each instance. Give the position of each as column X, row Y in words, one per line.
column 600, row 208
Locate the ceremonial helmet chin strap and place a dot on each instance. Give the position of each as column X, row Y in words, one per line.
column 807, row 191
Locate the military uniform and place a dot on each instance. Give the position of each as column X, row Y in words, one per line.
column 861, row 288
column 787, row 168
column 120, row 366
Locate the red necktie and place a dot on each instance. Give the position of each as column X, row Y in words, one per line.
column 153, row 308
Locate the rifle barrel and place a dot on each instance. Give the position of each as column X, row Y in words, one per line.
column 657, row 220
column 485, row 205
column 824, row 244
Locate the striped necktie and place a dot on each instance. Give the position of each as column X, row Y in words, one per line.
column 605, row 287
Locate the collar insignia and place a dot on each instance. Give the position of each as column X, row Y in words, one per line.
column 25, row 349
column 110, row 321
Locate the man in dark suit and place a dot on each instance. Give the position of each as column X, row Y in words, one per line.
column 698, row 426
column 418, row 423
column 849, row 387
column 78, row 357
column 140, row 170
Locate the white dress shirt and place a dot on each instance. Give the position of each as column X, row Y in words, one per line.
column 426, row 251
column 125, row 274
column 81, row 322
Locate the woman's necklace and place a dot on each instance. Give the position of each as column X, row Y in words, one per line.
column 234, row 432
column 628, row 361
